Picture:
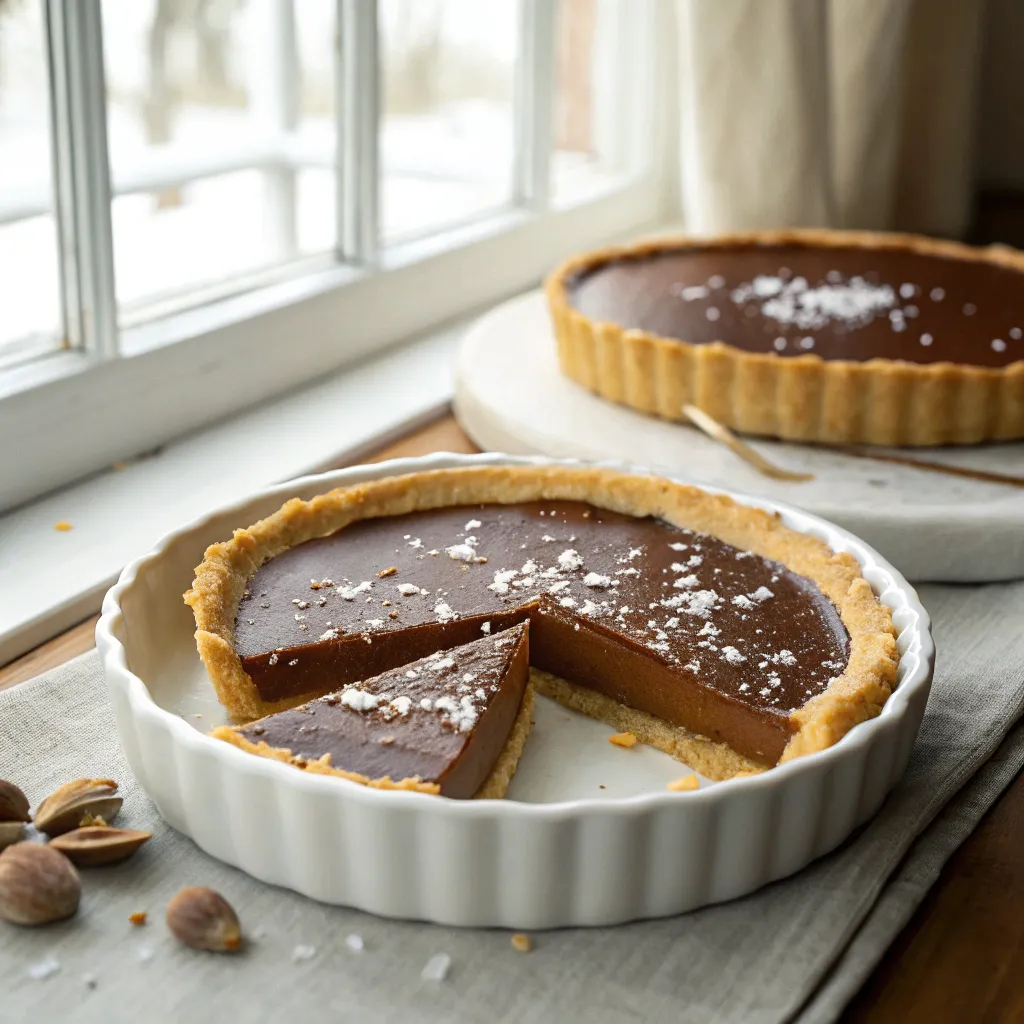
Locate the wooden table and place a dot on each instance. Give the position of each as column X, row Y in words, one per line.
column 961, row 957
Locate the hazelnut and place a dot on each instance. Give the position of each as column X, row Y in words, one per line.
column 203, row 919
column 37, row 885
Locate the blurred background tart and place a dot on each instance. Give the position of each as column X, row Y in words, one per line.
column 814, row 335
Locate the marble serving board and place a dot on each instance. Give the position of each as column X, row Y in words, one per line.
column 511, row 397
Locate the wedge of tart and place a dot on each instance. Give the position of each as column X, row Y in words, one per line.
column 453, row 723
column 705, row 627
column 820, row 336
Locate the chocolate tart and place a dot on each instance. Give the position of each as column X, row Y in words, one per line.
column 453, row 723
column 706, row 627
column 820, row 336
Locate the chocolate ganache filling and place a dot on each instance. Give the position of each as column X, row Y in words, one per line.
column 672, row 622
column 837, row 303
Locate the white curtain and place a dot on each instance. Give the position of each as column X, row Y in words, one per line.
column 841, row 113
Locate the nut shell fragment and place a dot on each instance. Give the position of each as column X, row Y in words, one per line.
column 66, row 808
column 13, row 803
column 11, row 832
column 93, row 845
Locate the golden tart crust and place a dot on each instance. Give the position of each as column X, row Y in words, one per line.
column 854, row 696
column 801, row 398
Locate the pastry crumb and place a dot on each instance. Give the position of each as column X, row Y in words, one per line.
column 389, row 571
column 622, row 739
column 522, row 942
column 138, row 918
column 63, row 526
column 684, row 784
column 600, row 787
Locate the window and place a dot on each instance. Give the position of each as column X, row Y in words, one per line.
column 206, row 202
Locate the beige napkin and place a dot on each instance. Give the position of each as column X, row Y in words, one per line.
column 798, row 949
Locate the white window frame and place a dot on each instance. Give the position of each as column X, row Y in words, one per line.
column 117, row 391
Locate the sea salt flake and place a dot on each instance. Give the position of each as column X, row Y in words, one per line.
column 595, row 579
column 327, row 634
column 473, row 524
column 415, row 543
column 485, row 628
column 568, row 602
column 686, row 582
column 741, row 601
column 559, row 586
column 373, row 623
column 443, row 612
column 570, row 559
column 355, row 943
column 351, row 593
column 300, row 953
column 461, row 552
column 409, row 589
column 784, row 657
column 762, row 594
column 594, row 610
column 679, row 546
column 402, row 704
column 732, row 655
column 437, row 967
column 438, row 664
column 359, row 700
column 43, row 969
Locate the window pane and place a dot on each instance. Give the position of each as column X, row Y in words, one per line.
column 447, row 136
column 29, row 273
column 581, row 158
column 221, row 134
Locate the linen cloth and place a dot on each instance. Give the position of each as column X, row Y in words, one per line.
column 796, row 950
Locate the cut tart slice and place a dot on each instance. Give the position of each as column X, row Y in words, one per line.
column 453, row 723
column 705, row 627
column 827, row 336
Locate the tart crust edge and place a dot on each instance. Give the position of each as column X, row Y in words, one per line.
column 854, row 696
column 799, row 398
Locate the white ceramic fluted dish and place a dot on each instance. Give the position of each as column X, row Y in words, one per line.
column 535, row 861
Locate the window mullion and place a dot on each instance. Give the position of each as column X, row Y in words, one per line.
column 82, row 174
column 535, row 89
column 358, row 77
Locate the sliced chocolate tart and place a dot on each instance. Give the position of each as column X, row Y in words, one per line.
column 453, row 723
column 826, row 336
column 707, row 628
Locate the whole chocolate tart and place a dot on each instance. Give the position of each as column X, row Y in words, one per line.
column 453, row 723
column 821, row 336
column 706, row 628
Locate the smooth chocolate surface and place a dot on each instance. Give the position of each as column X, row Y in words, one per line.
column 669, row 621
column 441, row 719
column 837, row 303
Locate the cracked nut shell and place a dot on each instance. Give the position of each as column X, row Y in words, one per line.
column 93, row 845
column 37, row 885
column 13, row 803
column 66, row 808
column 11, row 832
column 203, row 919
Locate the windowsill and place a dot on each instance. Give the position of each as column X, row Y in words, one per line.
column 60, row 577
